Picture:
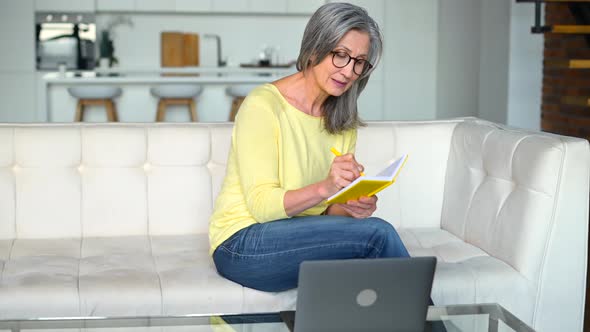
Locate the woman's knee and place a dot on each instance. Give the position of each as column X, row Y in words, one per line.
column 392, row 244
column 380, row 225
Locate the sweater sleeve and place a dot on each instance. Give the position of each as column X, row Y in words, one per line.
column 256, row 141
column 351, row 141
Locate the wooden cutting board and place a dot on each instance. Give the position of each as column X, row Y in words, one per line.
column 179, row 49
column 191, row 49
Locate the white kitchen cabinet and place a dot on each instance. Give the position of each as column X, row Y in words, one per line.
column 64, row 5
column 192, row 6
column 155, row 5
column 303, row 6
column 230, row 6
column 210, row 6
column 268, row 6
column 181, row 6
column 18, row 96
column 18, row 102
column 115, row 5
column 17, row 37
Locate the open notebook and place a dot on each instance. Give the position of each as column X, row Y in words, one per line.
column 369, row 185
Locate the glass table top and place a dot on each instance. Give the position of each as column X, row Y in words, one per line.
column 456, row 318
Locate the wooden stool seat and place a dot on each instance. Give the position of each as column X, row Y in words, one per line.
column 176, row 94
column 95, row 95
column 239, row 93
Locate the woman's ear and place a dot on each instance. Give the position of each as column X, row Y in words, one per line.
column 312, row 59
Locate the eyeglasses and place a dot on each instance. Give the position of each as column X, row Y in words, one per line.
column 342, row 59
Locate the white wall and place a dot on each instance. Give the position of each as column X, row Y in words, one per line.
column 525, row 69
column 372, row 100
column 494, row 60
column 410, row 59
column 459, row 58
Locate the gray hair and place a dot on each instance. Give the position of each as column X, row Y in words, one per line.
column 325, row 29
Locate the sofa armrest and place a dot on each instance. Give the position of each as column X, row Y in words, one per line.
column 562, row 281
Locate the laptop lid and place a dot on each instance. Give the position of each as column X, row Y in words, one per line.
column 384, row 294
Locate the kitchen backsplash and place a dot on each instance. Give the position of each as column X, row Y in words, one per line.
column 242, row 37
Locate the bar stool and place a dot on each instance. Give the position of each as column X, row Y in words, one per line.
column 176, row 94
column 239, row 93
column 95, row 95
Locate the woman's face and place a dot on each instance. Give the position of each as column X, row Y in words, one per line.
column 335, row 81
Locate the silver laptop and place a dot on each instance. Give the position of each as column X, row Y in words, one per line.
column 384, row 294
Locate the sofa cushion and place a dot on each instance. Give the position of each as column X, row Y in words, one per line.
column 188, row 278
column 120, row 180
column 421, row 182
column 467, row 274
column 498, row 194
column 112, row 276
column 174, row 275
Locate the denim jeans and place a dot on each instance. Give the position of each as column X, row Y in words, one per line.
column 267, row 256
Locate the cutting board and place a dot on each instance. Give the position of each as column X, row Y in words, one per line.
column 179, row 49
column 191, row 49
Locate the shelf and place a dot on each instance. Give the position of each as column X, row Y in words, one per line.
column 571, row 64
column 562, row 1
column 577, row 101
column 580, row 29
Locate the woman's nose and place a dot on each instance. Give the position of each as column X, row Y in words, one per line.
column 348, row 70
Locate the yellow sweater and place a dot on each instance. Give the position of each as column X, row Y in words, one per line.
column 275, row 148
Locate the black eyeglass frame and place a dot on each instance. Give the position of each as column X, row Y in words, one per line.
column 365, row 69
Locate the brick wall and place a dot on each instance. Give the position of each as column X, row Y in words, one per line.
column 557, row 116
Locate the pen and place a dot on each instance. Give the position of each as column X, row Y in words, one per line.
column 338, row 154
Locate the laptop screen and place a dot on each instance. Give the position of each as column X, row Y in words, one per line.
column 383, row 294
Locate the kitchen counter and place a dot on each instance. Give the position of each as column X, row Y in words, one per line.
column 168, row 75
column 56, row 105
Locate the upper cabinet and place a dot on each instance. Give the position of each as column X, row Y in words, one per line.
column 208, row 6
column 303, row 6
column 193, row 6
column 155, row 5
column 267, row 6
column 17, row 37
column 64, row 5
column 115, row 5
column 230, row 6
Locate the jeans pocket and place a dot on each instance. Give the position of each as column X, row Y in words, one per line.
column 245, row 241
column 232, row 242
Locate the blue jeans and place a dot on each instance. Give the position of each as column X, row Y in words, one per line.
column 267, row 256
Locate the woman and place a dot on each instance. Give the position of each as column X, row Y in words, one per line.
column 271, row 212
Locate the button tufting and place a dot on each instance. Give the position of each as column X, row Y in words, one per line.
column 147, row 167
column 80, row 168
column 15, row 168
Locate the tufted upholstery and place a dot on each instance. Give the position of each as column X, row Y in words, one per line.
column 111, row 219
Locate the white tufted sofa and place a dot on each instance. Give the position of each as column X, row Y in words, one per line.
column 111, row 219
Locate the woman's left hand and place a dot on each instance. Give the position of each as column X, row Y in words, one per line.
column 361, row 208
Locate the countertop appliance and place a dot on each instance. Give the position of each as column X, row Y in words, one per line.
column 65, row 39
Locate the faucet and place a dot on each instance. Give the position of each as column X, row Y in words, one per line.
column 220, row 63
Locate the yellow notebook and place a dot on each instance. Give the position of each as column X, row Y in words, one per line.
column 369, row 185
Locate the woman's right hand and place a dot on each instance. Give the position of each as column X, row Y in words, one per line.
column 343, row 171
